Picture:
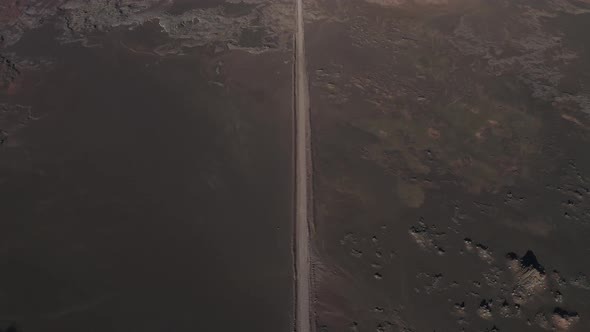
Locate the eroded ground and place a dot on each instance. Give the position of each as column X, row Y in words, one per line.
column 452, row 182
column 145, row 165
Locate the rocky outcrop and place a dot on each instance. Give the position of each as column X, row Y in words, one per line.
column 529, row 278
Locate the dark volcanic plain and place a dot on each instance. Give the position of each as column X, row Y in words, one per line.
column 146, row 168
column 451, row 166
column 146, row 165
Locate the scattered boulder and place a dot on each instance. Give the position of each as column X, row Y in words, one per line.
column 509, row 311
column 581, row 281
column 529, row 260
column 426, row 237
column 468, row 244
column 485, row 309
column 484, row 253
column 529, row 276
column 563, row 319
column 558, row 279
column 558, row 297
column 459, row 309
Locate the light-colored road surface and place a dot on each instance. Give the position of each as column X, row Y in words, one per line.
column 302, row 182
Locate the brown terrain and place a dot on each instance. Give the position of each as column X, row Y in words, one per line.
column 146, row 166
column 452, row 180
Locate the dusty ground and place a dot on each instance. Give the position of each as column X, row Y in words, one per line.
column 451, row 174
column 303, row 195
column 138, row 160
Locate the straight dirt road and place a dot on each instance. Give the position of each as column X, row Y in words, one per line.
column 302, row 181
